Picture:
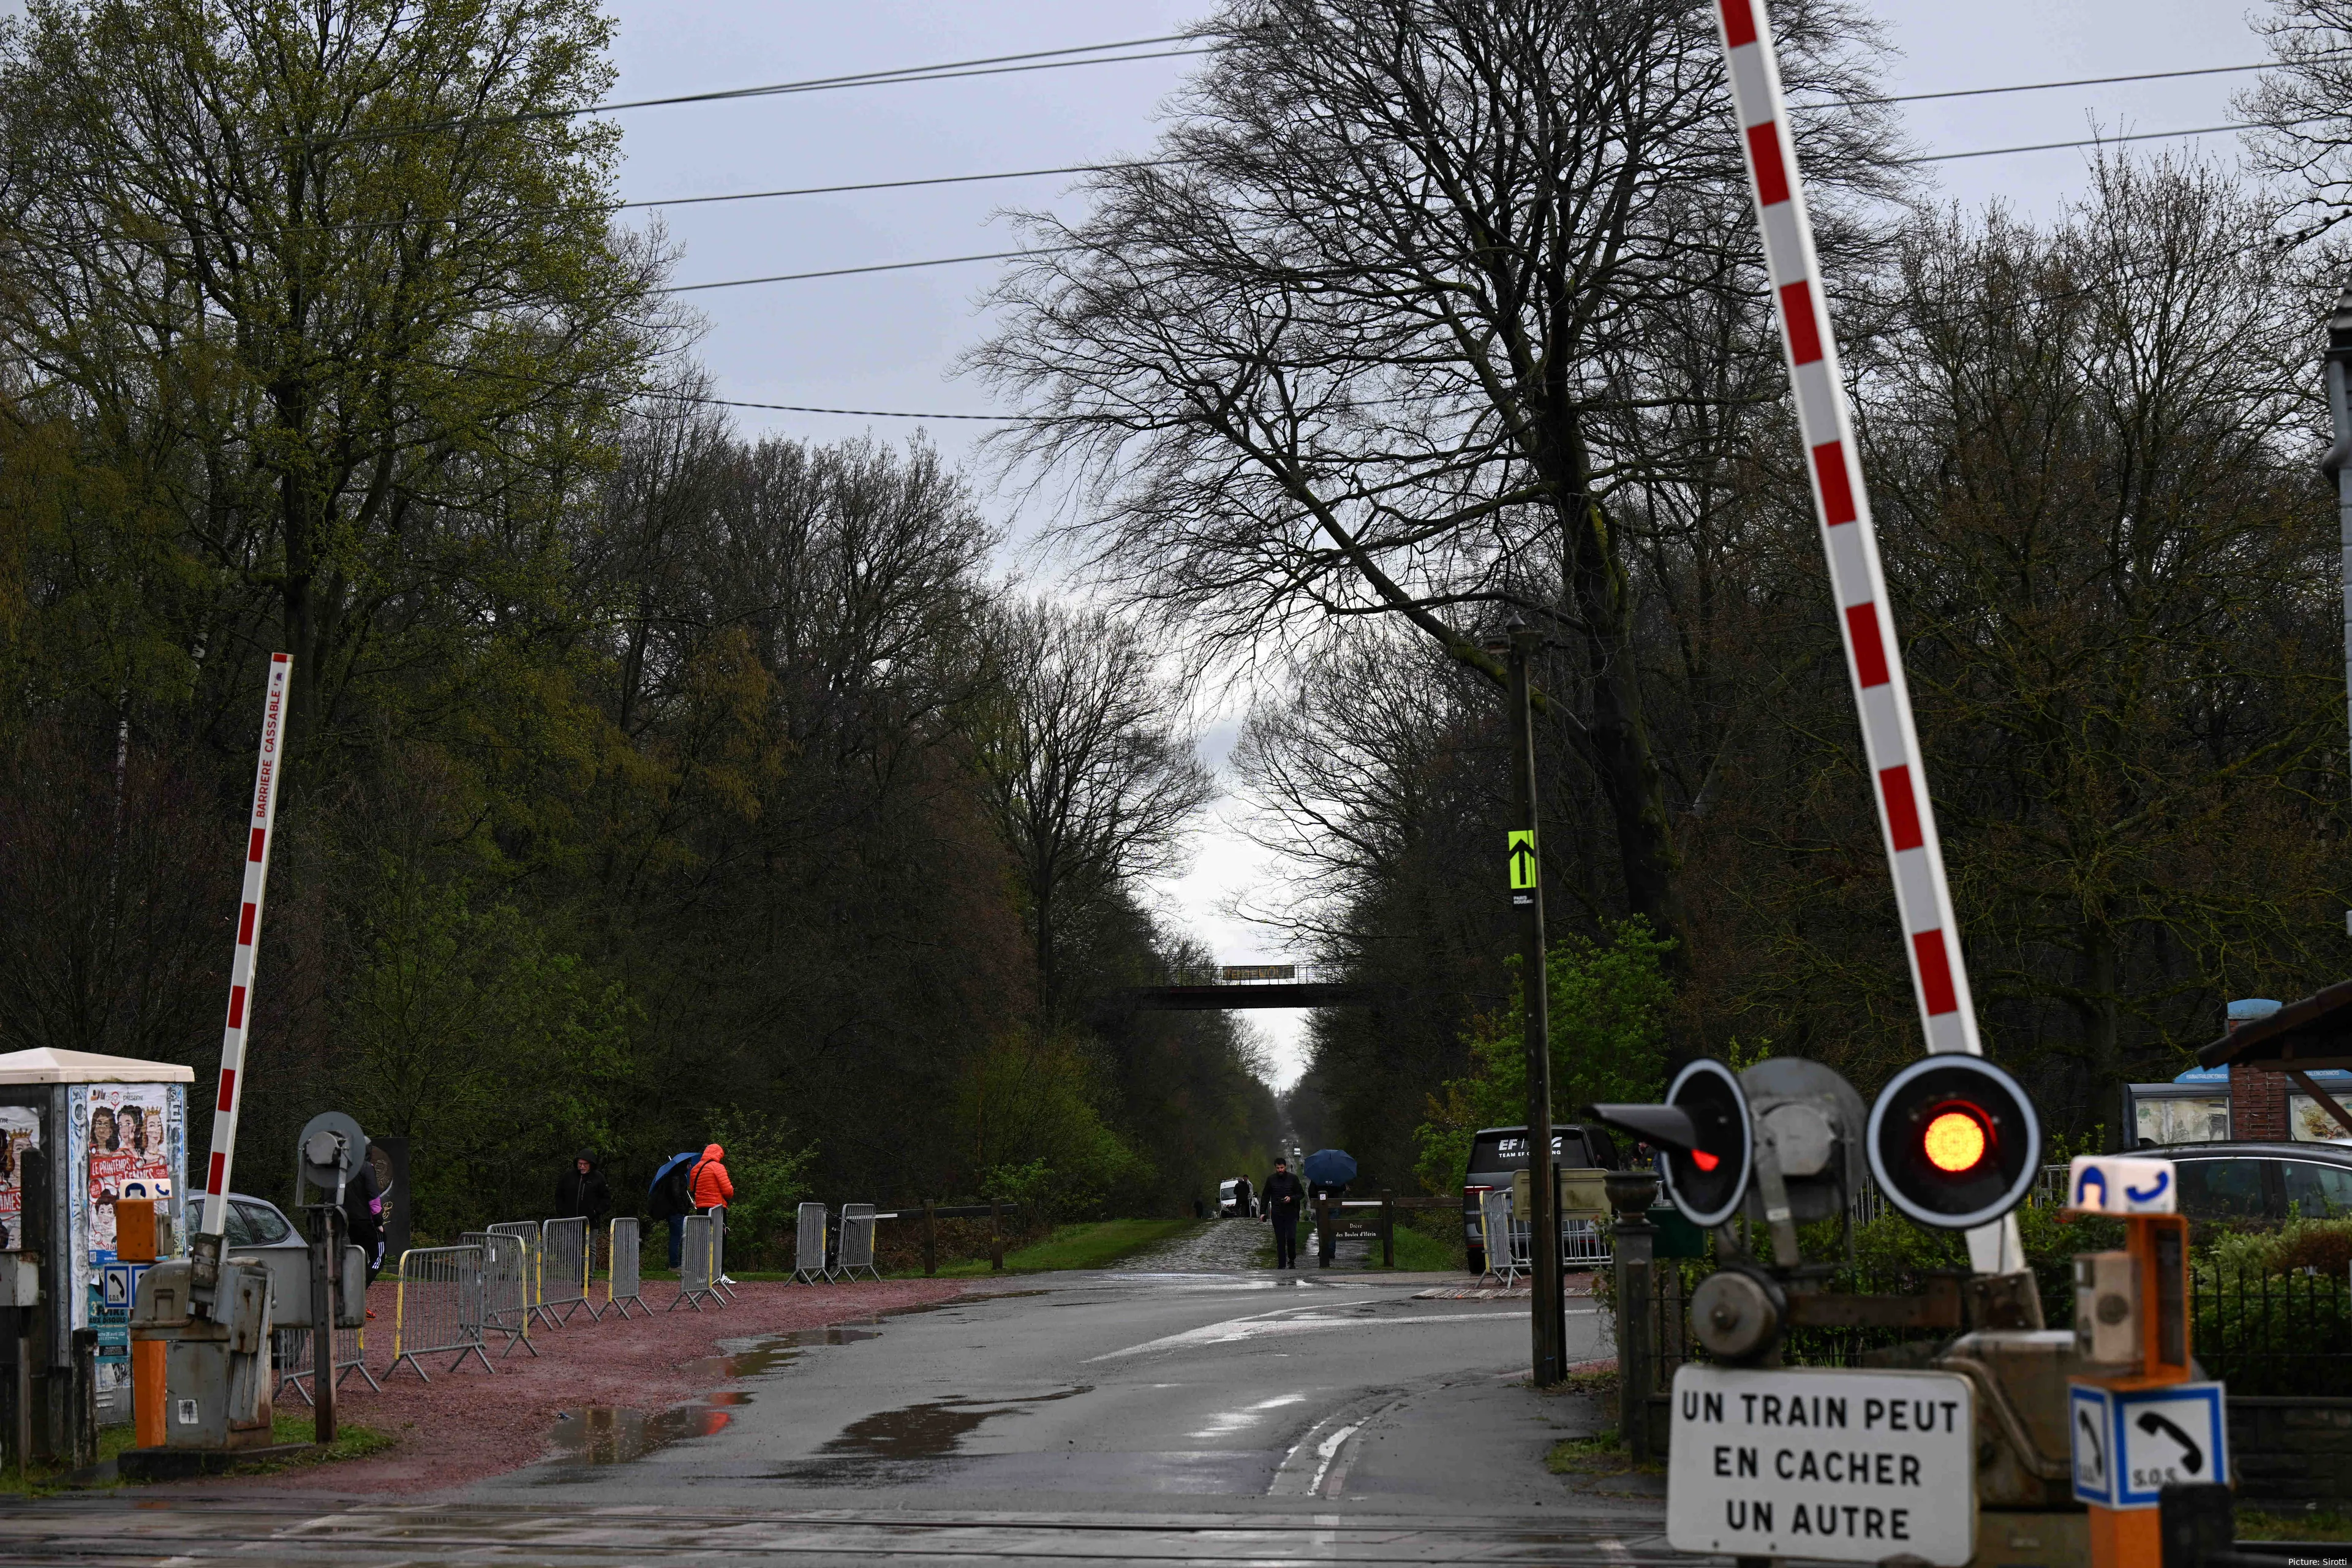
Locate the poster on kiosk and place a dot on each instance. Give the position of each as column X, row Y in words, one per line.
column 111, row 1128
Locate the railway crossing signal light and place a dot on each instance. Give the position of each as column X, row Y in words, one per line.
column 1705, row 1138
column 1954, row 1142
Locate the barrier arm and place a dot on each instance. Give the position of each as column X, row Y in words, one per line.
column 1907, row 815
column 261, row 824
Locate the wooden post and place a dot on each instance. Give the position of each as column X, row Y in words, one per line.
column 996, row 1238
column 930, row 1238
column 1388, row 1230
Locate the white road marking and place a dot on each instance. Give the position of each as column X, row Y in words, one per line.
column 1232, row 1421
column 1299, row 1320
column 1328, row 1450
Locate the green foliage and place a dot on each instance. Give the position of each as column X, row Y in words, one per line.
column 772, row 1179
column 1094, row 1244
column 1031, row 1113
column 1608, row 1004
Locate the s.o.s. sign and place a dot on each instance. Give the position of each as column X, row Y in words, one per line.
column 1850, row 1467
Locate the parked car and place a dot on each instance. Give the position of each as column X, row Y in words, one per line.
column 2262, row 1182
column 255, row 1224
column 1497, row 1153
column 1230, row 1205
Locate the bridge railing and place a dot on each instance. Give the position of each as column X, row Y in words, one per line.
column 1254, row 974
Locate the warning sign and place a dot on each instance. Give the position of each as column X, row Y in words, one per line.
column 1850, row 1467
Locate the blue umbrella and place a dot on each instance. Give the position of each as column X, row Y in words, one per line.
column 672, row 1163
column 1333, row 1167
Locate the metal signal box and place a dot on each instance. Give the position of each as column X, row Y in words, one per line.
column 216, row 1368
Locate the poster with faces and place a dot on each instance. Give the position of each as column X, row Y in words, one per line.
column 20, row 1129
column 129, row 1152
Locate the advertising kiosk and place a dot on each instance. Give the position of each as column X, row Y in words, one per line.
column 78, row 1132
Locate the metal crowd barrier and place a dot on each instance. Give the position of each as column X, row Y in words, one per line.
column 507, row 1280
column 696, row 1256
column 625, row 1285
column 533, row 1265
column 808, row 1248
column 858, row 1241
column 1495, row 1235
column 291, row 1349
column 439, row 1308
column 721, row 1285
column 563, row 1269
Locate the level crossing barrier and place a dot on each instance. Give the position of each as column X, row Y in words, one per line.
column 720, row 1284
column 292, row 1351
column 808, row 1248
column 563, row 1269
column 534, row 1266
column 439, row 1309
column 694, row 1260
column 624, row 1285
column 856, row 1241
column 505, row 1283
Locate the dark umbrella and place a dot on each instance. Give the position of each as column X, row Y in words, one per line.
column 1330, row 1167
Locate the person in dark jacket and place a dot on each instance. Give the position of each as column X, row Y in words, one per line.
column 580, row 1190
column 363, row 1218
column 1283, row 1195
column 671, row 1197
column 1244, row 1199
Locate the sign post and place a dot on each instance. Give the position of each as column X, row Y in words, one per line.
column 260, row 824
column 1544, row 1302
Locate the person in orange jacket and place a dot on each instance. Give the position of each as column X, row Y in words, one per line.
column 709, row 1187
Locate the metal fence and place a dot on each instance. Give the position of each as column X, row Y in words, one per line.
column 534, row 1263
column 563, row 1269
column 623, row 1286
column 507, row 1280
column 808, row 1248
column 2268, row 1332
column 293, row 1351
column 439, row 1309
column 696, row 1257
column 856, row 1241
column 723, row 1286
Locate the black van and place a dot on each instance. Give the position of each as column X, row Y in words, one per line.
column 1497, row 1153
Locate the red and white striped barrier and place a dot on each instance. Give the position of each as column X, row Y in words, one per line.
column 260, row 827
column 1939, row 980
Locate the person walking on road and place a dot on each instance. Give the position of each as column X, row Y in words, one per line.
column 710, row 1188
column 1283, row 1195
column 1244, row 1200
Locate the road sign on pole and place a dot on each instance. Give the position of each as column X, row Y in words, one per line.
column 1520, row 860
column 260, row 826
column 2130, row 1444
column 1825, row 1464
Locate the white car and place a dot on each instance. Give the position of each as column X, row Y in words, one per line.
column 1230, row 1204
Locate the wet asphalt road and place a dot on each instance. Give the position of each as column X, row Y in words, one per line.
column 1200, row 1416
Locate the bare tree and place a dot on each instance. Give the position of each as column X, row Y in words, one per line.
column 1367, row 335
column 2305, row 107
column 1091, row 782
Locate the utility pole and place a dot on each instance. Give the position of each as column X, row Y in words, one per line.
column 2337, row 466
column 1526, row 860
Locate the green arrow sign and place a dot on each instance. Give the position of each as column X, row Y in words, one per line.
column 1521, row 857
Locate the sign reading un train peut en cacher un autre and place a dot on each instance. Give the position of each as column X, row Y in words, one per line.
column 1851, row 1467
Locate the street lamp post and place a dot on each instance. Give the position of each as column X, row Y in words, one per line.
column 2337, row 466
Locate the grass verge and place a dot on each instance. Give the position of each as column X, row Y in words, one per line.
column 351, row 1442
column 1097, row 1245
column 2314, row 1526
column 1604, row 1454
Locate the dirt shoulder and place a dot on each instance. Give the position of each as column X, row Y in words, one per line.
column 469, row 1424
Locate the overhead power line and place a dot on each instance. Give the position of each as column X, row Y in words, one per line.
column 850, row 271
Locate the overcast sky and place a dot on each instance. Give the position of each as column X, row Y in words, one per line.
column 888, row 341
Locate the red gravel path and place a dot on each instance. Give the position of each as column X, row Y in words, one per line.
column 469, row 1424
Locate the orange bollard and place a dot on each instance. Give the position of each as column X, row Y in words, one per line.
column 134, row 1242
column 2158, row 1246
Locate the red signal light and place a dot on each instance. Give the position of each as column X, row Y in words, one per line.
column 1955, row 1139
column 1704, row 1161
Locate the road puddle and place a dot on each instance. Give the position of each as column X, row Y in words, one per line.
column 931, row 1430
column 613, row 1435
